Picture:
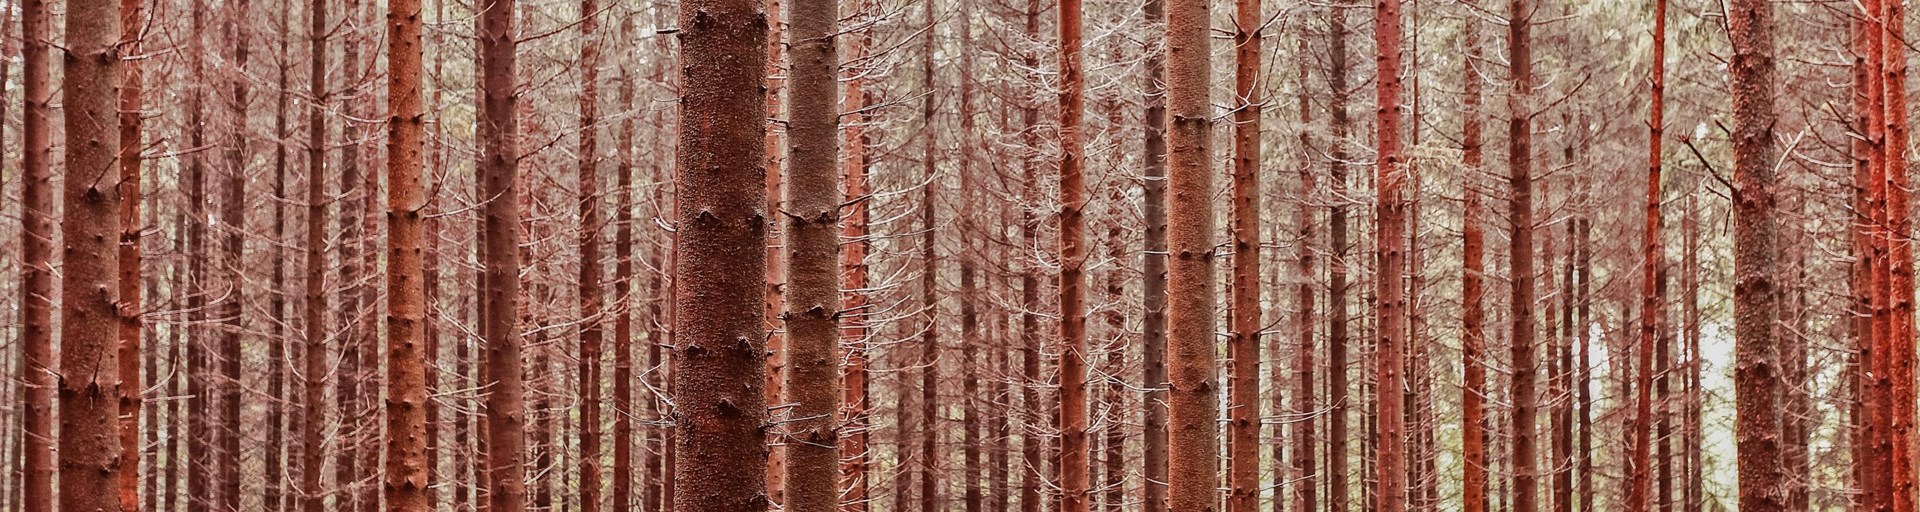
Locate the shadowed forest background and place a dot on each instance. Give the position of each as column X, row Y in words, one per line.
column 956, row 255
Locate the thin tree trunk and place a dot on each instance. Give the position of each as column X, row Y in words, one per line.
column 1304, row 478
column 592, row 304
column 1473, row 393
column 623, row 332
column 314, row 320
column 928, row 422
column 90, row 319
column 1154, row 262
column 38, row 367
column 274, row 495
column 1243, row 340
column 131, row 18
column 854, row 335
column 1900, row 360
column 1650, row 258
column 970, row 332
column 722, row 258
column 1193, row 460
column 233, row 221
column 1756, row 378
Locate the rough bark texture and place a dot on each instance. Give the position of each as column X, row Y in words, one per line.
column 1074, row 457
column 129, row 344
column 1473, row 337
column 406, row 458
column 314, row 368
column 1192, row 396
column 1757, row 388
column 1520, row 253
column 36, row 266
column 1338, row 498
column 499, row 173
column 592, row 304
column 1153, row 264
column 1243, row 339
column 232, row 227
column 623, row 332
column 1305, row 480
column 1900, row 284
column 1390, row 290
column 91, row 313
column 854, row 335
column 722, row 258
column 812, row 230
column 1641, row 467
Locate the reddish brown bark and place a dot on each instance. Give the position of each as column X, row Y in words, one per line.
column 91, row 313
column 1390, row 243
column 592, row 304
column 1153, row 264
column 927, row 423
column 1641, row 466
column 275, row 494
column 1756, row 370
column 499, row 127
column 1243, row 340
column 1338, row 496
column 36, row 291
column 232, row 222
column 313, row 405
column 722, row 222
column 623, row 307
column 854, row 334
column 812, row 230
column 131, row 18
column 1473, row 393
column 405, row 487
column 1520, row 253
column 1190, row 297
column 1899, row 225
column 1074, row 455
column 1305, row 481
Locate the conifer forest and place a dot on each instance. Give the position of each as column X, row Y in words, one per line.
column 957, row 256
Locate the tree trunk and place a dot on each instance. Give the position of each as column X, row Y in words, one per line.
column 406, row 458
column 1473, row 393
column 855, row 335
column 1154, row 263
column 721, row 248
column 1305, row 480
column 1338, row 497
column 1390, row 242
column 592, row 304
column 131, row 18
column 313, row 406
column 1756, row 379
column 1520, row 251
column 623, row 332
column 812, row 229
column 274, row 495
column 36, row 291
column 499, row 127
column 1074, row 452
column 91, row 314
column 1243, row 340
column 1900, row 360
column 1193, row 460
column 233, row 222
column 1650, row 306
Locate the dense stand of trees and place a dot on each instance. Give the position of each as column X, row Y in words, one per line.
column 978, row 255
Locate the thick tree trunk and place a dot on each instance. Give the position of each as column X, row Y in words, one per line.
column 721, row 248
column 1243, row 340
column 406, row 458
column 812, row 229
column 499, row 173
column 91, row 314
column 1390, row 244
column 1192, row 397
column 38, row 367
column 1756, row 369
